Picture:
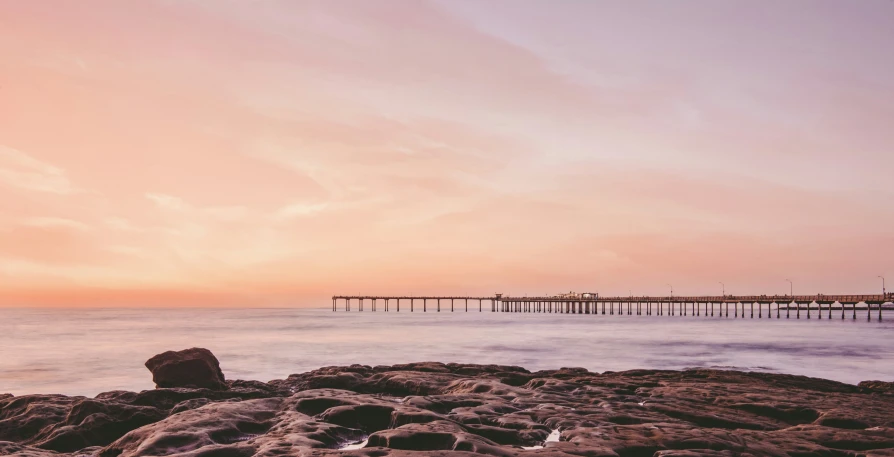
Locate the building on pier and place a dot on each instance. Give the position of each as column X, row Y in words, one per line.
column 576, row 295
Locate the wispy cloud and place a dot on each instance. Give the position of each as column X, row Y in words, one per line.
column 126, row 250
column 120, row 223
column 298, row 210
column 21, row 170
column 227, row 213
column 55, row 222
column 168, row 202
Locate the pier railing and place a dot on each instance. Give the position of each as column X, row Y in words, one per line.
column 633, row 305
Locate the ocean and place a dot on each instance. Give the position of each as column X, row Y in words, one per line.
column 88, row 351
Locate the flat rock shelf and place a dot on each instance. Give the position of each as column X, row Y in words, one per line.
column 435, row 409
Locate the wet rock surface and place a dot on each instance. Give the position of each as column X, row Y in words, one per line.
column 439, row 409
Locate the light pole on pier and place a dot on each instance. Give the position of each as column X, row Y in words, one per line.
column 724, row 288
column 672, row 290
column 884, row 292
column 791, row 288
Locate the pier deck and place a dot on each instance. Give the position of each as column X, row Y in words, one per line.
column 707, row 306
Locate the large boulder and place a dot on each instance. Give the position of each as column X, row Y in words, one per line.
column 196, row 368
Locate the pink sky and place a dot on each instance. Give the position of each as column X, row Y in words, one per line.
column 277, row 152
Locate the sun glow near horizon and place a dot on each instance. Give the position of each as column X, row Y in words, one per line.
column 204, row 153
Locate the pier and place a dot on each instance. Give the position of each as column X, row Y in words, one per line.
column 748, row 306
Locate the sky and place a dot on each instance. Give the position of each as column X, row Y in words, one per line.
column 278, row 152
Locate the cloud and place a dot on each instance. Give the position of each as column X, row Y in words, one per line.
column 18, row 169
column 226, row 213
column 126, row 250
column 300, row 210
column 229, row 213
column 55, row 222
column 119, row 223
column 80, row 63
column 169, row 202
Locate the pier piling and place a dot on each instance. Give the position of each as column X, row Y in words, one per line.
column 589, row 304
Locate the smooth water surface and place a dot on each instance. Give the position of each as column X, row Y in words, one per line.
column 86, row 352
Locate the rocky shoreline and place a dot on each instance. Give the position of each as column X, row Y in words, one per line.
column 441, row 409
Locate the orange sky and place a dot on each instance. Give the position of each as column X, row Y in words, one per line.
column 274, row 153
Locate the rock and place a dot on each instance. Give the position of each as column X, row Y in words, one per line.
column 240, row 428
column 187, row 405
column 23, row 417
column 17, row 450
column 196, row 367
column 878, row 386
column 369, row 418
column 215, row 424
column 436, row 436
column 504, row 436
column 67, row 424
column 701, row 453
column 433, row 409
column 94, row 423
column 121, row 396
column 841, row 439
column 838, row 418
column 168, row 398
column 313, row 402
column 257, row 386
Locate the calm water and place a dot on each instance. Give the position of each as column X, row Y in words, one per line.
column 90, row 351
